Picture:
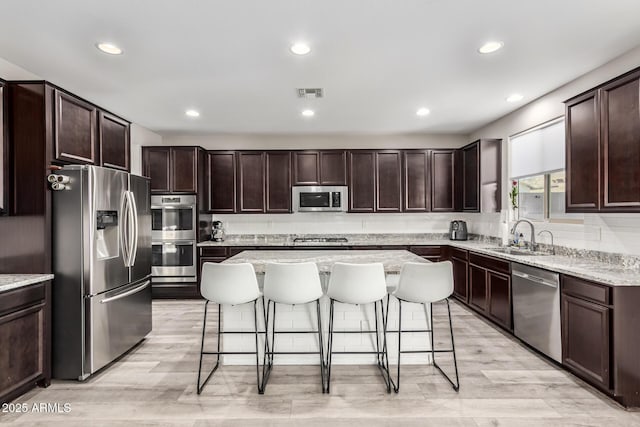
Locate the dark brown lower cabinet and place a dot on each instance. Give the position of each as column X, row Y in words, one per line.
column 25, row 337
column 490, row 288
column 478, row 287
column 586, row 339
column 460, row 272
column 600, row 342
column 499, row 307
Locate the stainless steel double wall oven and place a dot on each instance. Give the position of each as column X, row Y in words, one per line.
column 174, row 235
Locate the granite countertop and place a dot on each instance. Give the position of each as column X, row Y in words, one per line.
column 575, row 264
column 392, row 260
column 14, row 281
column 585, row 268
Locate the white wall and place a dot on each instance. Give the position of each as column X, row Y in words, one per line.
column 294, row 142
column 607, row 232
column 141, row 136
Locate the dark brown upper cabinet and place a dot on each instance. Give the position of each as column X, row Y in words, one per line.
column 603, row 147
column 184, row 169
column 481, row 176
column 156, row 166
column 443, row 180
column 362, row 181
column 583, row 153
column 113, row 137
column 222, row 181
column 333, row 167
column 4, row 154
column 172, row 169
column 375, row 181
column 417, row 181
column 388, row 169
column 620, row 130
column 471, row 174
column 319, row 167
column 75, row 129
column 251, row 181
column 278, row 182
column 306, row 168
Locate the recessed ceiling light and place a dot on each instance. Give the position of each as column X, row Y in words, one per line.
column 308, row 113
column 109, row 48
column 192, row 113
column 515, row 97
column 422, row 112
column 490, row 47
column 300, row 48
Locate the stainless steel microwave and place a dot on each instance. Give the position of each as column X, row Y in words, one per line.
column 320, row 199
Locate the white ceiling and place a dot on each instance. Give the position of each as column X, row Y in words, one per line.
column 378, row 61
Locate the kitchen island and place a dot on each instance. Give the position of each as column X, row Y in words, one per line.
column 346, row 317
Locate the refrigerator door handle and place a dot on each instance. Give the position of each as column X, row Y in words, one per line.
column 134, row 229
column 124, row 226
column 126, row 294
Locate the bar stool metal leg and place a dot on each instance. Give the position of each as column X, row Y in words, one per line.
column 385, row 319
column 433, row 351
column 255, row 319
column 330, row 346
column 270, row 348
column 381, row 356
column 397, row 386
column 321, row 346
column 200, row 386
column 456, row 385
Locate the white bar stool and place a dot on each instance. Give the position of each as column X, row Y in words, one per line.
column 291, row 283
column 230, row 284
column 359, row 284
column 426, row 283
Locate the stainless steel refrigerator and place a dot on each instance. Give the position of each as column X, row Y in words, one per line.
column 102, row 266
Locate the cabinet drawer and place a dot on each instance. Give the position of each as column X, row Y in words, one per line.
column 458, row 253
column 207, row 251
column 587, row 290
column 426, row 251
column 490, row 263
column 17, row 298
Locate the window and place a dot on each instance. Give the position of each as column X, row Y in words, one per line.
column 537, row 161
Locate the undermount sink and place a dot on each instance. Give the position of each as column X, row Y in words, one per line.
column 516, row 251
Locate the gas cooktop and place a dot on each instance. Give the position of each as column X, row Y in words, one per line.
column 320, row 240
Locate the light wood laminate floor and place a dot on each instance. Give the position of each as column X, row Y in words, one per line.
column 502, row 384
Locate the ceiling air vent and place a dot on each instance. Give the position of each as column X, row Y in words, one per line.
column 310, row 93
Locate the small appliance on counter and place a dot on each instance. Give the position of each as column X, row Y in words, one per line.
column 217, row 234
column 458, row 230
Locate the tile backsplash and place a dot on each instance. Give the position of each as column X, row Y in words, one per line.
column 337, row 223
column 617, row 233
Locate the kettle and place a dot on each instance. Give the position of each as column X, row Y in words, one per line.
column 458, row 230
column 217, row 234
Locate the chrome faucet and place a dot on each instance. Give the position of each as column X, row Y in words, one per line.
column 533, row 232
column 553, row 248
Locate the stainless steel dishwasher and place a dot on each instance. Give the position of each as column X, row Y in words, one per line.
column 536, row 309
